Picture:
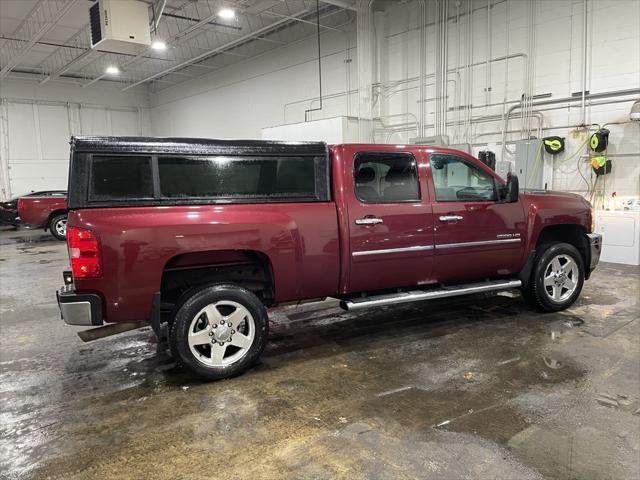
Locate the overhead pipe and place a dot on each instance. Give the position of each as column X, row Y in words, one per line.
column 423, row 53
column 306, row 113
column 594, row 96
column 583, row 82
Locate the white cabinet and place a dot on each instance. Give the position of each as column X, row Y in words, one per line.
column 620, row 236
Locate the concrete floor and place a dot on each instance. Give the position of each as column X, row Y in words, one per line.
column 474, row 388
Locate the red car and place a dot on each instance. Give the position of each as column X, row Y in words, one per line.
column 203, row 236
column 47, row 210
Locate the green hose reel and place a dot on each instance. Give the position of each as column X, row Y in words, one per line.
column 599, row 140
column 553, row 145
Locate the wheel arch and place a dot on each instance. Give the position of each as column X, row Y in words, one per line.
column 54, row 213
column 186, row 272
column 572, row 234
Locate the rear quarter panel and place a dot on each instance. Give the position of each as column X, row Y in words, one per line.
column 300, row 240
column 36, row 210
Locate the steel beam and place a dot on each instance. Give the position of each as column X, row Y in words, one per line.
column 34, row 27
column 208, row 53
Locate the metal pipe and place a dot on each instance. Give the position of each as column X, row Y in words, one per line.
column 306, row 113
column 584, row 61
column 488, row 65
column 422, row 76
column 108, row 330
column 616, row 93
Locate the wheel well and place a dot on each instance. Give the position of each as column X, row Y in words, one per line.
column 53, row 214
column 188, row 272
column 575, row 235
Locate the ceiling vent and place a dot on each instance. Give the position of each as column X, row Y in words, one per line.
column 120, row 26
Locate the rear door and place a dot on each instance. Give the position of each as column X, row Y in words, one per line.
column 476, row 235
column 390, row 220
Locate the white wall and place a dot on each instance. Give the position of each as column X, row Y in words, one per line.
column 38, row 120
column 238, row 101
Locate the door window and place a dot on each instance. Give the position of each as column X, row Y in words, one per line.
column 458, row 180
column 386, row 178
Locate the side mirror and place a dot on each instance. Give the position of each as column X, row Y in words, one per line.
column 509, row 191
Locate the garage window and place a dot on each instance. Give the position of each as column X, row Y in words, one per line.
column 121, row 177
column 233, row 177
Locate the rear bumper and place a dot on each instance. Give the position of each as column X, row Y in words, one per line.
column 595, row 244
column 79, row 309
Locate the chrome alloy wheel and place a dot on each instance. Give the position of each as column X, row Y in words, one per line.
column 561, row 278
column 61, row 227
column 221, row 333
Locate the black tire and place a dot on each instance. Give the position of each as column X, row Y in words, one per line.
column 54, row 225
column 185, row 321
column 541, row 296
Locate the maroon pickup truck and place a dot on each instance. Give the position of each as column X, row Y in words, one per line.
column 200, row 237
column 47, row 210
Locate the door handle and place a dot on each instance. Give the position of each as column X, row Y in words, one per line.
column 450, row 218
column 368, row 221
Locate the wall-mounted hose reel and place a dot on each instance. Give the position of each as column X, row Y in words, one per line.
column 601, row 165
column 553, row 145
column 599, row 140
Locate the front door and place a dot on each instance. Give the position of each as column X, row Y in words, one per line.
column 476, row 235
column 390, row 221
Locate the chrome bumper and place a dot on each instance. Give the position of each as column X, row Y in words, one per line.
column 595, row 242
column 79, row 309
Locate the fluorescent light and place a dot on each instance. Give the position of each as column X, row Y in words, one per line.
column 158, row 45
column 112, row 70
column 227, row 14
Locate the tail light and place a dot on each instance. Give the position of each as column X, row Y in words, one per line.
column 84, row 253
column 20, row 204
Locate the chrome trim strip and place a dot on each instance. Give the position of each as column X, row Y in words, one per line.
column 416, row 248
column 417, row 295
column 476, row 244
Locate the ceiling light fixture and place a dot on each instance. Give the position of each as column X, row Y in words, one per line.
column 112, row 70
column 158, row 45
column 227, row 14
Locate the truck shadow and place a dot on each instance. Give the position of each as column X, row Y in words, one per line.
column 425, row 320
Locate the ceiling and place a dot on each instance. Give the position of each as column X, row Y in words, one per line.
column 50, row 39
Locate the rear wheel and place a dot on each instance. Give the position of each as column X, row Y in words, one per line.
column 557, row 277
column 219, row 331
column 58, row 226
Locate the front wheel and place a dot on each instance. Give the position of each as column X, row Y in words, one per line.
column 219, row 331
column 557, row 277
column 58, row 226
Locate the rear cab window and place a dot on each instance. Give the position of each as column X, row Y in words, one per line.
column 229, row 177
column 161, row 179
column 120, row 178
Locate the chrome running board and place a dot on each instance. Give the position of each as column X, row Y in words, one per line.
column 418, row 295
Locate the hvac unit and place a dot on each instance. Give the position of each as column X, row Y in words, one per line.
column 120, row 26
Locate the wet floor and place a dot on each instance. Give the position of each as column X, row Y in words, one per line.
column 472, row 388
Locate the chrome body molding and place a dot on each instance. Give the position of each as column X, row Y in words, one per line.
column 477, row 244
column 416, row 248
